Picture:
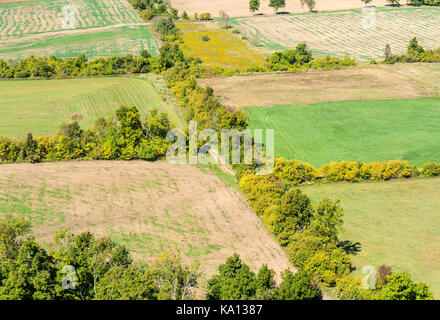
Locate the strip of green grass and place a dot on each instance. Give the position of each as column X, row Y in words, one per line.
column 397, row 223
column 370, row 130
column 39, row 106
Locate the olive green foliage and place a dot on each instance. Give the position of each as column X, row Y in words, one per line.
column 102, row 270
column 301, row 58
column 125, row 137
column 300, row 286
column 415, row 53
column 310, row 234
column 148, row 9
column 424, row 2
column 277, row 4
column 52, row 67
column 236, row 281
column 400, row 286
column 166, row 28
column 254, row 5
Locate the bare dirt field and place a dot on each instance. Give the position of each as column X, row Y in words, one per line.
column 368, row 82
column 147, row 206
column 240, row 8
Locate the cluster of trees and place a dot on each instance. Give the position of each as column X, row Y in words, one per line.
column 84, row 267
column 310, row 236
column 43, row 67
column 200, row 104
column 235, row 281
column 301, row 58
column 125, row 137
column 148, row 9
column 415, row 53
column 424, row 2
column 254, row 5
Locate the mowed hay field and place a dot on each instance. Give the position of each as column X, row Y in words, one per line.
column 340, row 33
column 150, row 207
column 367, row 130
column 102, row 28
column 40, row 106
column 240, row 8
column 360, row 83
column 223, row 48
column 396, row 222
column 102, row 42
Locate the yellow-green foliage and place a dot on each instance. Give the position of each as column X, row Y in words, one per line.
column 297, row 172
column 223, row 51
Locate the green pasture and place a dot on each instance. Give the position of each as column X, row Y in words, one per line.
column 367, row 130
column 397, row 224
column 39, row 106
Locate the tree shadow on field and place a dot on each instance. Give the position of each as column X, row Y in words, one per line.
column 283, row 12
column 350, row 247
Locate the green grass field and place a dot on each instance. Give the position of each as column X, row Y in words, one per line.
column 103, row 28
column 39, row 106
column 373, row 130
column 342, row 32
column 397, row 224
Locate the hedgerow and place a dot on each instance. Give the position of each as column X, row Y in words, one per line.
column 415, row 53
column 125, row 137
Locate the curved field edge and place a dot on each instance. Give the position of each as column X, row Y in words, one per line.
column 150, row 207
column 366, row 130
column 40, row 106
column 396, row 223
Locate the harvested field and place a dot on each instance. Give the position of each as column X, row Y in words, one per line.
column 396, row 223
column 149, row 207
column 367, row 82
column 222, row 49
column 40, row 106
column 340, row 33
column 102, row 28
column 94, row 43
column 240, row 8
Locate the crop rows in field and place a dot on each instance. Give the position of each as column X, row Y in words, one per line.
column 17, row 20
column 41, row 106
column 339, row 33
column 115, row 41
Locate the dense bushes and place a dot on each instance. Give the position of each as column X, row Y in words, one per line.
column 148, row 9
column 297, row 172
column 424, row 2
column 83, row 267
column 310, row 234
column 415, row 53
column 42, row 67
column 235, row 281
column 301, row 59
column 125, row 137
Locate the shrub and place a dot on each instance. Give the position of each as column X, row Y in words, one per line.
column 298, row 287
column 329, row 266
column 400, row 286
column 431, row 169
column 235, row 281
